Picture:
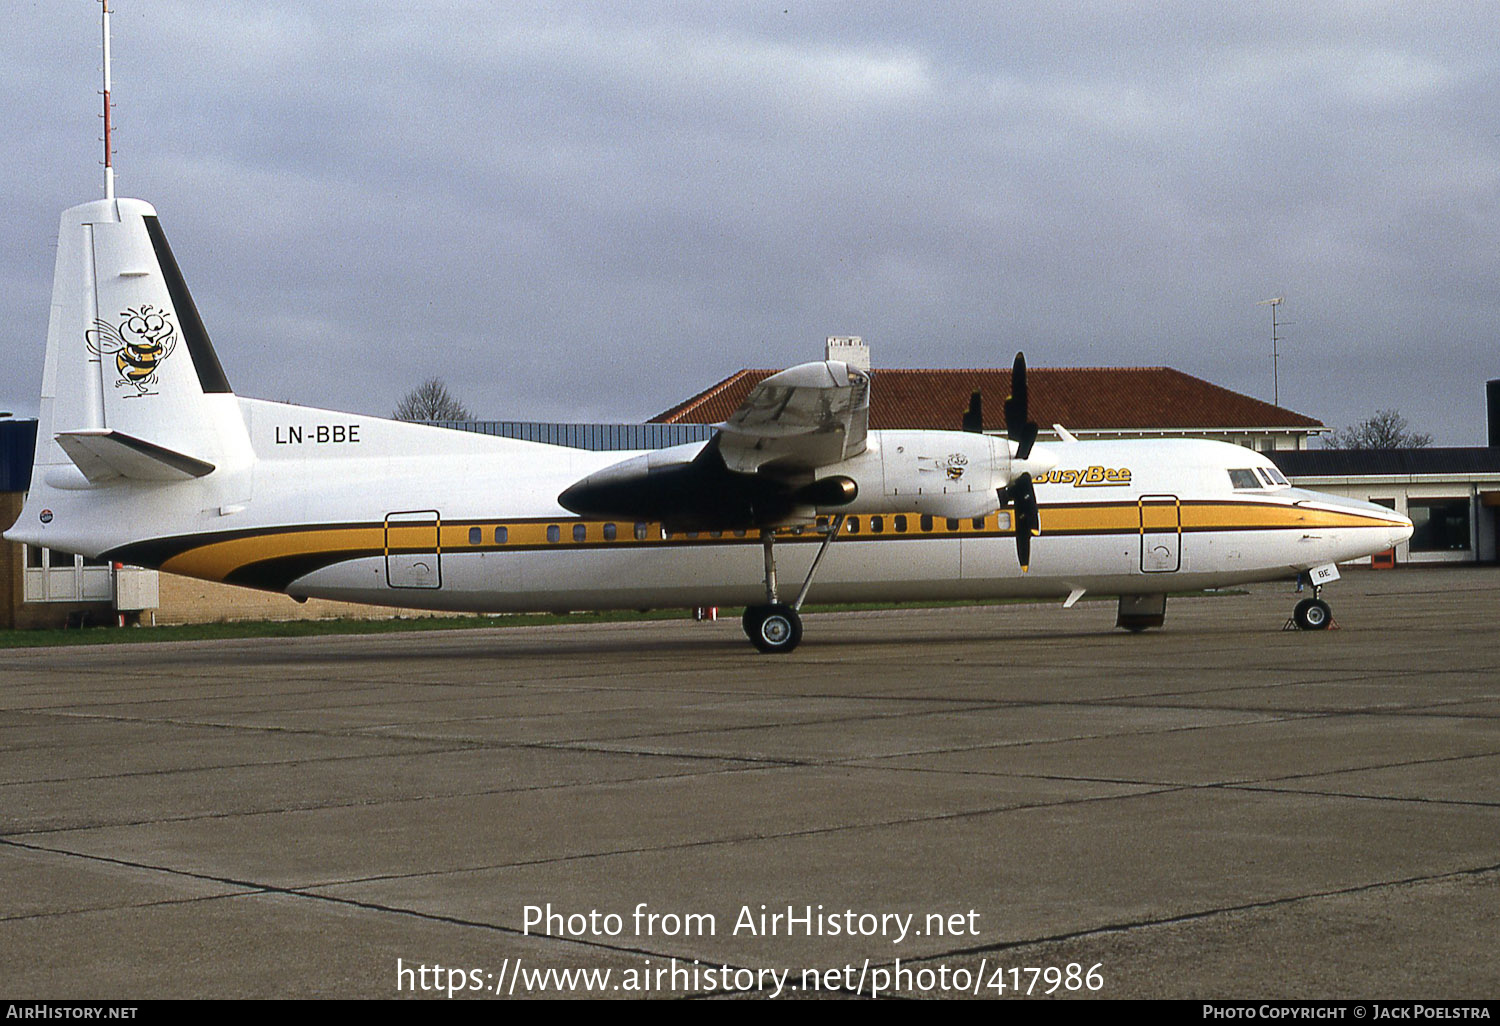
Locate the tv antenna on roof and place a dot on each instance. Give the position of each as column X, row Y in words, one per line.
column 109, row 164
column 1275, row 338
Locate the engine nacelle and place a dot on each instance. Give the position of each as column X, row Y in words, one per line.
column 945, row 473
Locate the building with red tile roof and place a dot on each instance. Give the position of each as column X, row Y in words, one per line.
column 1090, row 402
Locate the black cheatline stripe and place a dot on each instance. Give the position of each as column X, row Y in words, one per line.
column 205, row 360
column 277, row 573
column 153, row 552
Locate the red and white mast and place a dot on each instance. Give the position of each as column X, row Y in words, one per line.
column 109, row 165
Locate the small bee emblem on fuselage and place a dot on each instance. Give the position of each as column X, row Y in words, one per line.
column 956, row 464
column 139, row 345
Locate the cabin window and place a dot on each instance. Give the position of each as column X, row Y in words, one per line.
column 979, row 523
column 609, row 532
column 1244, row 478
column 739, row 532
column 952, row 524
column 502, row 535
column 475, row 534
column 900, row 522
column 853, row 525
column 554, row 533
column 640, row 532
column 926, row 522
column 877, row 525
column 580, row 532
column 716, row 534
column 691, row 535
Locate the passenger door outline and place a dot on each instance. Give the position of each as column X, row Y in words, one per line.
column 1161, row 533
column 413, row 551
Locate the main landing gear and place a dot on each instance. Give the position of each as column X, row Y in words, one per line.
column 776, row 627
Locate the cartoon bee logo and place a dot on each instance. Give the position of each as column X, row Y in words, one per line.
column 956, row 464
column 139, row 345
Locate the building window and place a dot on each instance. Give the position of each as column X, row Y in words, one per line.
column 1439, row 525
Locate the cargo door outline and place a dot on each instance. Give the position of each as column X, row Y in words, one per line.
column 1161, row 533
column 413, row 554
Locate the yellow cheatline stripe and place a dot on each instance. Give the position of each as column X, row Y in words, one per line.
column 216, row 560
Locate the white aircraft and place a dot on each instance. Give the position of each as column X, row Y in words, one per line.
column 146, row 456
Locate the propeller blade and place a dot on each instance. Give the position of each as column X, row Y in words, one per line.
column 1020, row 495
column 1018, row 427
column 974, row 417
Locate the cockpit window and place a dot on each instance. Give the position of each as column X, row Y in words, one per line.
column 1275, row 477
column 1244, row 479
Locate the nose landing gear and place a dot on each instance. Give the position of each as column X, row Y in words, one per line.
column 1311, row 614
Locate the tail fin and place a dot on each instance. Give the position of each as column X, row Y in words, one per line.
column 131, row 379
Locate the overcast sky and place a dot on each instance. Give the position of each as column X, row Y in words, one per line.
column 590, row 211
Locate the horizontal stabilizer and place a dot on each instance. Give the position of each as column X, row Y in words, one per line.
column 105, row 455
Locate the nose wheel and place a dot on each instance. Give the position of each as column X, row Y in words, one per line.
column 1311, row 614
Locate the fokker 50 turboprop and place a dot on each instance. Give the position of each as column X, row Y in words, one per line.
column 146, row 456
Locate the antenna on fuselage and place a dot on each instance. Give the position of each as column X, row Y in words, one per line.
column 109, row 163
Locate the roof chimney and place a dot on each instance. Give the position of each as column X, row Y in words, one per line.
column 849, row 348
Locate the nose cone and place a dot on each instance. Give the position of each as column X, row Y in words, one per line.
column 1399, row 531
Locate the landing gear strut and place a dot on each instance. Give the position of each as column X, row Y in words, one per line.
column 776, row 627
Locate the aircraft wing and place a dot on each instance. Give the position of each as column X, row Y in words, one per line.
column 758, row 470
column 799, row 419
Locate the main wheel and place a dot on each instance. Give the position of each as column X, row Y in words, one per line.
column 1312, row 615
column 773, row 629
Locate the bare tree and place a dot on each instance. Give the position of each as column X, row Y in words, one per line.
column 1385, row 430
column 431, row 400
